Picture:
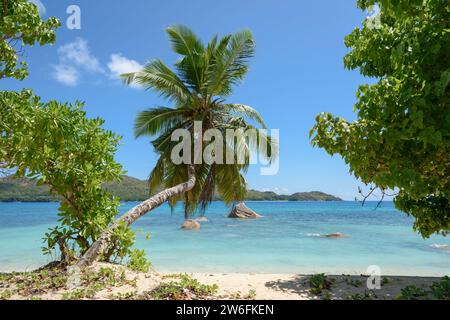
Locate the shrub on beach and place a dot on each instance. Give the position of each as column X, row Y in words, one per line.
column 57, row 145
column 319, row 283
column 401, row 139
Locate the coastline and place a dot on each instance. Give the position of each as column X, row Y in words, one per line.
column 235, row 286
column 125, row 201
column 353, row 272
column 297, row 287
column 284, row 241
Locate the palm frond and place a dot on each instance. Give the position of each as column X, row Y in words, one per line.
column 163, row 144
column 160, row 78
column 208, row 190
column 186, row 43
column 244, row 110
column 231, row 184
column 232, row 63
column 154, row 120
column 156, row 177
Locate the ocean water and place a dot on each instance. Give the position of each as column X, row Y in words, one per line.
column 285, row 240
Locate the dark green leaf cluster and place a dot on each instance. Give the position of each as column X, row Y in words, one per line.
column 20, row 25
column 57, row 145
column 401, row 138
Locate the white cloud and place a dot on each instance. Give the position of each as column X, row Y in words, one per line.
column 40, row 6
column 78, row 53
column 75, row 57
column 276, row 190
column 120, row 64
column 66, row 74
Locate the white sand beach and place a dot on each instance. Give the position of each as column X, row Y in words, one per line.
column 236, row 286
column 296, row 287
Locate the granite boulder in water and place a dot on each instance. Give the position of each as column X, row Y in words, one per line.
column 335, row 235
column 240, row 210
column 190, row 225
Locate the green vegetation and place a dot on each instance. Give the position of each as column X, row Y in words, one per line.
column 132, row 189
column 54, row 280
column 128, row 189
column 94, row 282
column 13, row 188
column 400, row 141
column 319, row 283
column 59, row 147
column 251, row 295
column 203, row 78
column 401, row 138
column 441, row 290
column 20, row 24
column 186, row 288
column 352, row 282
column 358, row 296
column 298, row 196
column 5, row 295
column 412, row 293
column 34, row 283
column 438, row 290
column 138, row 261
column 56, row 145
column 118, row 282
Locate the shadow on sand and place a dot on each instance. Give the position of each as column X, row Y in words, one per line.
column 350, row 287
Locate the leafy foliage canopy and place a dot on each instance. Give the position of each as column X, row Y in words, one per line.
column 401, row 138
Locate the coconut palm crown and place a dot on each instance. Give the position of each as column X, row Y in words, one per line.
column 202, row 79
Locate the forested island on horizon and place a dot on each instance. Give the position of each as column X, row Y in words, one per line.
column 14, row 189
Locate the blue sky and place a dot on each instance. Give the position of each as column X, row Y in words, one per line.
column 297, row 73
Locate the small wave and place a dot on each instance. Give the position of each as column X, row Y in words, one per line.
column 313, row 234
column 230, row 235
column 232, row 225
column 445, row 247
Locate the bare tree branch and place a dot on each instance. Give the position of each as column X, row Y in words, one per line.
column 372, row 189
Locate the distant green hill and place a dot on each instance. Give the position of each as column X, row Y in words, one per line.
column 23, row 189
column 129, row 189
column 132, row 189
column 298, row 196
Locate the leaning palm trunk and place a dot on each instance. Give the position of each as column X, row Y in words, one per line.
column 99, row 246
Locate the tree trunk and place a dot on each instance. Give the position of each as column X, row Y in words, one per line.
column 99, row 246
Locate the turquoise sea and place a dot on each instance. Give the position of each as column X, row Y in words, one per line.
column 285, row 240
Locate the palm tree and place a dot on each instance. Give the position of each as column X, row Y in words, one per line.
column 198, row 88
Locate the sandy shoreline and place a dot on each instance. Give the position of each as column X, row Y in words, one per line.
column 237, row 286
column 297, row 287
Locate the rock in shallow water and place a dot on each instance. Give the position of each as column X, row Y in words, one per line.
column 240, row 210
column 190, row 225
column 334, row 235
column 444, row 247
